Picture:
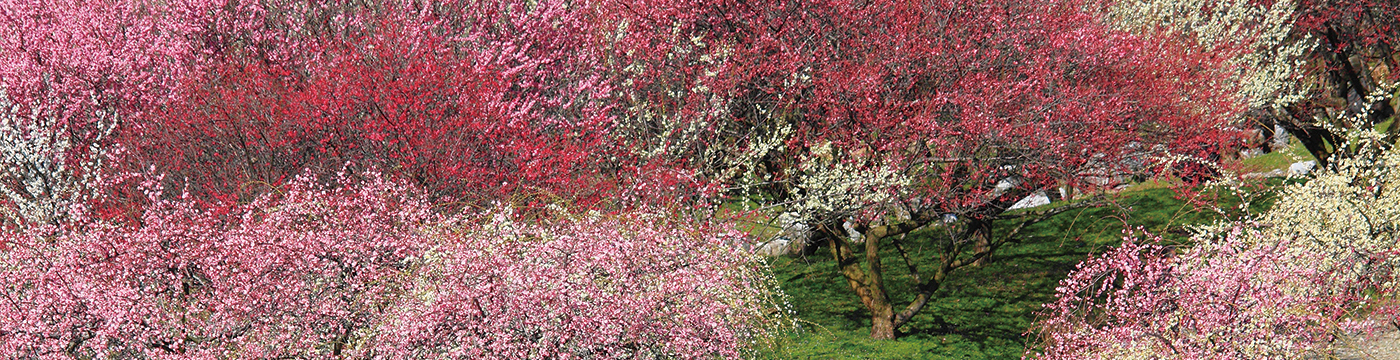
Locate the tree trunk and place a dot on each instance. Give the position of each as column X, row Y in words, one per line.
column 881, row 312
column 869, row 281
column 1319, row 141
column 869, row 285
column 882, row 324
column 979, row 232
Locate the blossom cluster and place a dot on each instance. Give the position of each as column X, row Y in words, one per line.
column 369, row 269
column 1267, row 61
column 1286, row 284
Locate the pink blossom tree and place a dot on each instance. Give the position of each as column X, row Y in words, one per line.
column 1285, row 284
column 1216, row 300
column 70, row 74
column 370, row 270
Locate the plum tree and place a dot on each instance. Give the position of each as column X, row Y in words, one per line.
column 891, row 115
column 70, row 73
column 473, row 100
column 1350, row 70
column 259, row 225
column 367, row 267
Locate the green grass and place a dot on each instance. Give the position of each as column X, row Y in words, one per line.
column 979, row 313
column 1279, row 159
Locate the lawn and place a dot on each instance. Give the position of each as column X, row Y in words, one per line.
column 1295, row 152
column 981, row 312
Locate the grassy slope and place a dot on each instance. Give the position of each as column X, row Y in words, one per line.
column 981, row 312
column 1279, row 159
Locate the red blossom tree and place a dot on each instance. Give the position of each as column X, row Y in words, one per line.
column 473, row 100
column 892, row 114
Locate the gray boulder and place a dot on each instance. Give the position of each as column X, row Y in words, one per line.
column 1037, row 199
column 793, row 235
column 1301, row 168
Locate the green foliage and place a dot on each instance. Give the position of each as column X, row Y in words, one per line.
column 981, row 312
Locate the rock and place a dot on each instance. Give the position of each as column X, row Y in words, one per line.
column 1383, row 343
column 1384, row 346
column 1037, row 199
column 777, row 246
column 793, row 236
column 793, row 228
column 1103, row 180
column 1301, row 168
column 901, row 213
column 1268, row 174
column 851, row 232
column 1003, row 185
column 1281, row 138
column 1251, row 152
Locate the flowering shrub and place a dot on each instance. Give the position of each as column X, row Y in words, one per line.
column 591, row 287
column 1319, row 263
column 1216, row 301
column 467, row 99
column 369, row 270
column 1264, row 62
